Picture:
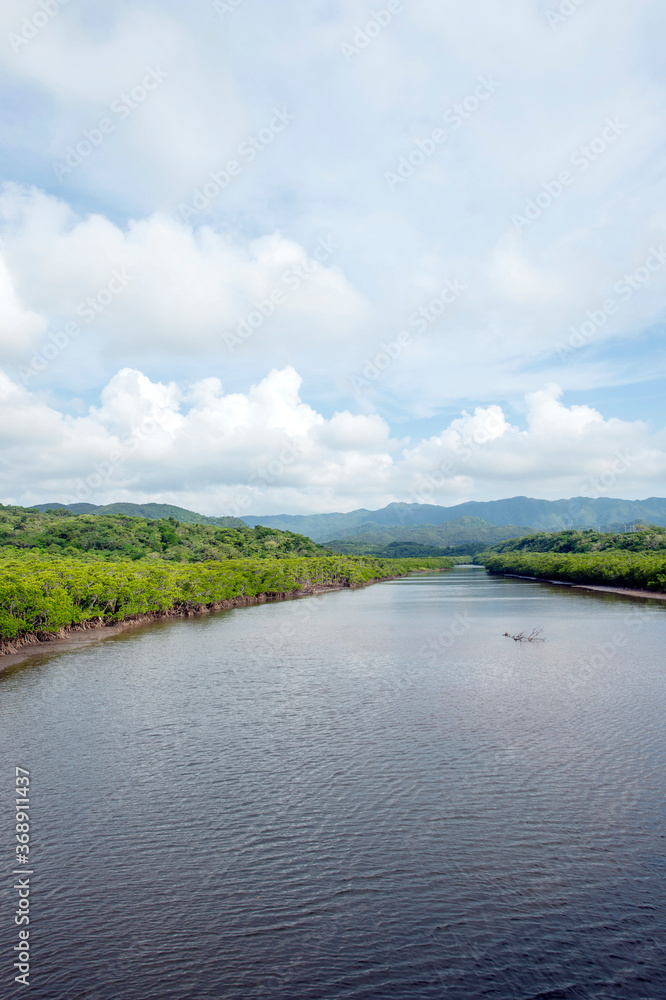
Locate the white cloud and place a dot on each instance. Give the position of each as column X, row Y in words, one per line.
column 181, row 290
column 19, row 327
column 266, row 451
column 192, row 285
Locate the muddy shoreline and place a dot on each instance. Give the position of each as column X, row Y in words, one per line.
column 657, row 595
column 74, row 636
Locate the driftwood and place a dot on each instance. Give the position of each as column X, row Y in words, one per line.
column 533, row 636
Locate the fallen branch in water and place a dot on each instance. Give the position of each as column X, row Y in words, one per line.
column 534, row 636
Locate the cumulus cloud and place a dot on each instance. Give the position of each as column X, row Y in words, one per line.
column 266, row 451
column 161, row 284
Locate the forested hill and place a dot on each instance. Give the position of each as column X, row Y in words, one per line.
column 150, row 511
column 646, row 538
column 117, row 536
column 464, row 534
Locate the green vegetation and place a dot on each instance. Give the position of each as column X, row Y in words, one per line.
column 646, row 538
column 394, row 550
column 151, row 511
column 541, row 515
column 41, row 593
column 115, row 536
column 635, row 559
column 59, row 569
column 406, row 550
column 461, row 536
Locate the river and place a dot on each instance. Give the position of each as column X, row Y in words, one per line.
column 368, row 794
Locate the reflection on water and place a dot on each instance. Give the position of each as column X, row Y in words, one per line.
column 367, row 794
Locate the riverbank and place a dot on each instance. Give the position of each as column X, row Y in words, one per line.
column 43, row 595
column 72, row 637
column 623, row 591
column 640, row 571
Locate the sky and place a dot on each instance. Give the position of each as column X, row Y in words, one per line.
column 262, row 257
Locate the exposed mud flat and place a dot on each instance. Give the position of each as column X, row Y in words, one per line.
column 658, row 595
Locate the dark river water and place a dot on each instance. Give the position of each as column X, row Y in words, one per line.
column 365, row 794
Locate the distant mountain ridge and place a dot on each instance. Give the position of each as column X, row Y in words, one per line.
column 542, row 515
column 456, row 532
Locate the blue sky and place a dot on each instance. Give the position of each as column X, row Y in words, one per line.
column 324, row 256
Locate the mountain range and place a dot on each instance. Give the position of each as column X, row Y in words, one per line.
column 530, row 513
column 540, row 515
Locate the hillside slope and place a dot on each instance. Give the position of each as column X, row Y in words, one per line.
column 462, row 530
column 116, row 536
column 150, row 511
column 648, row 538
